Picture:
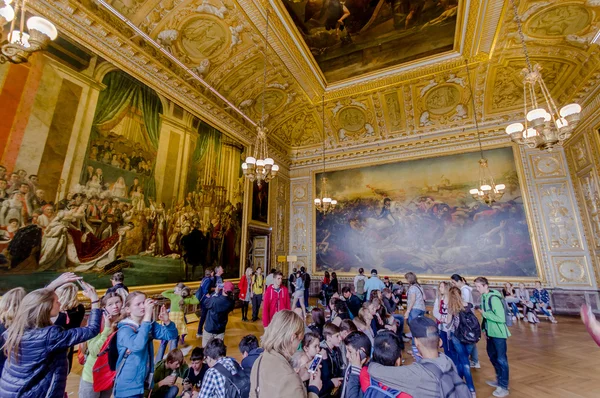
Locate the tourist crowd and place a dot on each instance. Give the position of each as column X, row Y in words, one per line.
column 351, row 348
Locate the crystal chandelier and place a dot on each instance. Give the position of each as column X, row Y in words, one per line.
column 19, row 45
column 487, row 192
column 325, row 203
column 543, row 128
column 260, row 167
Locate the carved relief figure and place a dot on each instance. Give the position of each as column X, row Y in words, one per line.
column 299, row 241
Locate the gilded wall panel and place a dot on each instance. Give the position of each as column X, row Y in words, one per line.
column 561, row 228
column 299, row 228
column 547, row 164
column 571, row 270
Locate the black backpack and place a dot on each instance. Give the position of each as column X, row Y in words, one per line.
column 451, row 384
column 468, row 330
column 237, row 385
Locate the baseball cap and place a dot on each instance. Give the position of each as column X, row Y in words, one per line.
column 227, row 287
column 422, row 326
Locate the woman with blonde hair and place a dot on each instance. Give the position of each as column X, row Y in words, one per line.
column 71, row 312
column 440, row 312
column 459, row 313
column 36, row 350
column 272, row 375
column 9, row 304
column 135, row 336
column 364, row 318
column 112, row 303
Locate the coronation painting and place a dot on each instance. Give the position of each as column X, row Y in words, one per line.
column 127, row 182
column 353, row 37
column 419, row 216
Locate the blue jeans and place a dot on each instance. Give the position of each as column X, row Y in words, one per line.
column 172, row 392
column 515, row 309
column 461, row 354
column 414, row 313
column 496, row 349
column 163, row 348
column 447, row 345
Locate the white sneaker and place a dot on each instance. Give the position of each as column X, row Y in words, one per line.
column 500, row 392
column 514, row 318
column 408, row 335
column 476, row 365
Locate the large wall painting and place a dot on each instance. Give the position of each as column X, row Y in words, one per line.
column 353, row 37
column 418, row 216
column 157, row 200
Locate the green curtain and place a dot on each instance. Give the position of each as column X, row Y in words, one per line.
column 121, row 93
column 207, row 136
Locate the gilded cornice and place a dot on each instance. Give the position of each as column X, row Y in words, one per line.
column 399, row 149
column 88, row 28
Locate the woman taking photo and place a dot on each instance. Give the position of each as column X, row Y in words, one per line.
column 9, row 304
column 112, row 303
column 134, row 341
column 71, row 312
column 36, row 350
column 272, row 374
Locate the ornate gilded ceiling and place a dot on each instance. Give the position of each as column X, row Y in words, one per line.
column 368, row 100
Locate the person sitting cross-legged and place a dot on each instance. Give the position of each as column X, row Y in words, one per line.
column 166, row 373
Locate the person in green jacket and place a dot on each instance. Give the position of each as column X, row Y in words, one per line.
column 166, row 374
column 179, row 297
column 494, row 326
column 112, row 304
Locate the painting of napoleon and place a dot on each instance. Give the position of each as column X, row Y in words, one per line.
column 419, row 216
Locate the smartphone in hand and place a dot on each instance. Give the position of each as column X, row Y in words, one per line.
column 315, row 363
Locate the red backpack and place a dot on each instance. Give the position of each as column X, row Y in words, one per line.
column 104, row 376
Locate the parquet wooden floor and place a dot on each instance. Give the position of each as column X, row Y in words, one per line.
column 545, row 360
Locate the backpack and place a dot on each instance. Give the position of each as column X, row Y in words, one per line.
column 82, row 353
column 237, row 385
column 468, row 330
column 507, row 311
column 103, row 373
column 379, row 390
column 360, row 286
column 450, row 383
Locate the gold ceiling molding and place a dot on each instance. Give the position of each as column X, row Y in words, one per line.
column 378, row 109
column 86, row 27
column 464, row 140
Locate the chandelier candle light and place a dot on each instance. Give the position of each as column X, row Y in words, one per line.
column 488, row 192
column 260, row 167
column 543, row 129
column 324, row 204
column 20, row 45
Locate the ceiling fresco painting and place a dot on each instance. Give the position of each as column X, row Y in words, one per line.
column 353, row 37
column 374, row 96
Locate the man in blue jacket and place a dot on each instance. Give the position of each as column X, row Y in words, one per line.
column 218, row 308
column 202, row 294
